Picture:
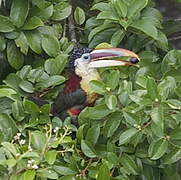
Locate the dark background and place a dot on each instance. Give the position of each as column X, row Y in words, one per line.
column 171, row 11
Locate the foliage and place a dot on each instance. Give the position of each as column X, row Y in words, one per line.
column 133, row 131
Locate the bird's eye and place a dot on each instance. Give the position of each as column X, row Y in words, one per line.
column 86, row 56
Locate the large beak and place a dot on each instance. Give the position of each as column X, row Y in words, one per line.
column 113, row 57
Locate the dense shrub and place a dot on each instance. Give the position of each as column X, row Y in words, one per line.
column 134, row 130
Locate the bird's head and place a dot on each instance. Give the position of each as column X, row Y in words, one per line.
column 86, row 60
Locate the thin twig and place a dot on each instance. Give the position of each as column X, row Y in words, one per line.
column 174, row 38
column 65, row 28
column 72, row 29
column 84, row 171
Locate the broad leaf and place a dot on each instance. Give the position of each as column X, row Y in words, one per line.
column 19, row 12
column 79, row 15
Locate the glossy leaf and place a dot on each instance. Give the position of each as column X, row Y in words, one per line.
column 33, row 23
column 22, row 43
column 29, row 175
column 136, row 6
column 157, row 149
column 127, row 135
column 5, row 24
column 79, row 15
column 19, row 12
column 98, row 86
column 34, row 40
column 111, row 101
column 50, row 156
column 15, row 57
column 61, row 11
column 88, row 149
column 129, row 164
column 93, row 134
column 103, row 173
column 50, row 45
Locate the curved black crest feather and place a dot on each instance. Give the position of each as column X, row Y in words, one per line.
column 77, row 53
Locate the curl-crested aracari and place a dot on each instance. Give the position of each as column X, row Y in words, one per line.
column 83, row 65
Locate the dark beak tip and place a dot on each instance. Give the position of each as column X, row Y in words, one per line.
column 134, row 60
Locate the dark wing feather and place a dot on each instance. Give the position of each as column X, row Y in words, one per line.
column 65, row 101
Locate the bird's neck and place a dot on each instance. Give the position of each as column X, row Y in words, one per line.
column 85, row 84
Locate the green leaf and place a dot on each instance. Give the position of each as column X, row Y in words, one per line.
column 46, row 13
column 111, row 101
column 38, row 140
column 31, row 107
column 63, row 170
column 2, row 43
column 33, row 23
column 98, row 111
column 88, row 149
column 127, row 135
column 34, row 40
column 18, row 110
column 19, row 12
column 29, row 175
column 166, row 87
column 157, row 116
column 162, row 41
column 26, row 86
column 172, row 157
column 93, row 134
column 50, row 45
column 158, row 148
column 98, row 29
column 132, row 120
column 117, row 37
column 146, row 27
column 61, row 11
column 50, row 156
column 6, row 92
column 5, row 24
column 112, row 124
column 113, row 79
column 79, row 15
column 103, row 173
column 107, row 15
column 129, row 164
column 23, row 73
column 151, row 87
column 101, row 7
column 112, row 158
column 136, row 6
column 39, row 3
column 22, row 43
column 98, row 86
column 10, row 147
column 56, row 66
column 45, row 173
column 120, row 7
column 174, row 103
column 15, row 57
column 176, row 134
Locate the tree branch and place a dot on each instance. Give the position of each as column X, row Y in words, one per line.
column 72, row 29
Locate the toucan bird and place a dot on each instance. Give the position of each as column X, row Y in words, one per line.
column 83, row 65
column 84, row 62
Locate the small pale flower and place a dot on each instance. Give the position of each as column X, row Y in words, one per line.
column 35, row 166
column 30, row 148
column 16, row 137
column 18, row 134
column 22, row 141
column 56, row 129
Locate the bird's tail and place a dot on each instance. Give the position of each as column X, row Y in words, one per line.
column 38, row 101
